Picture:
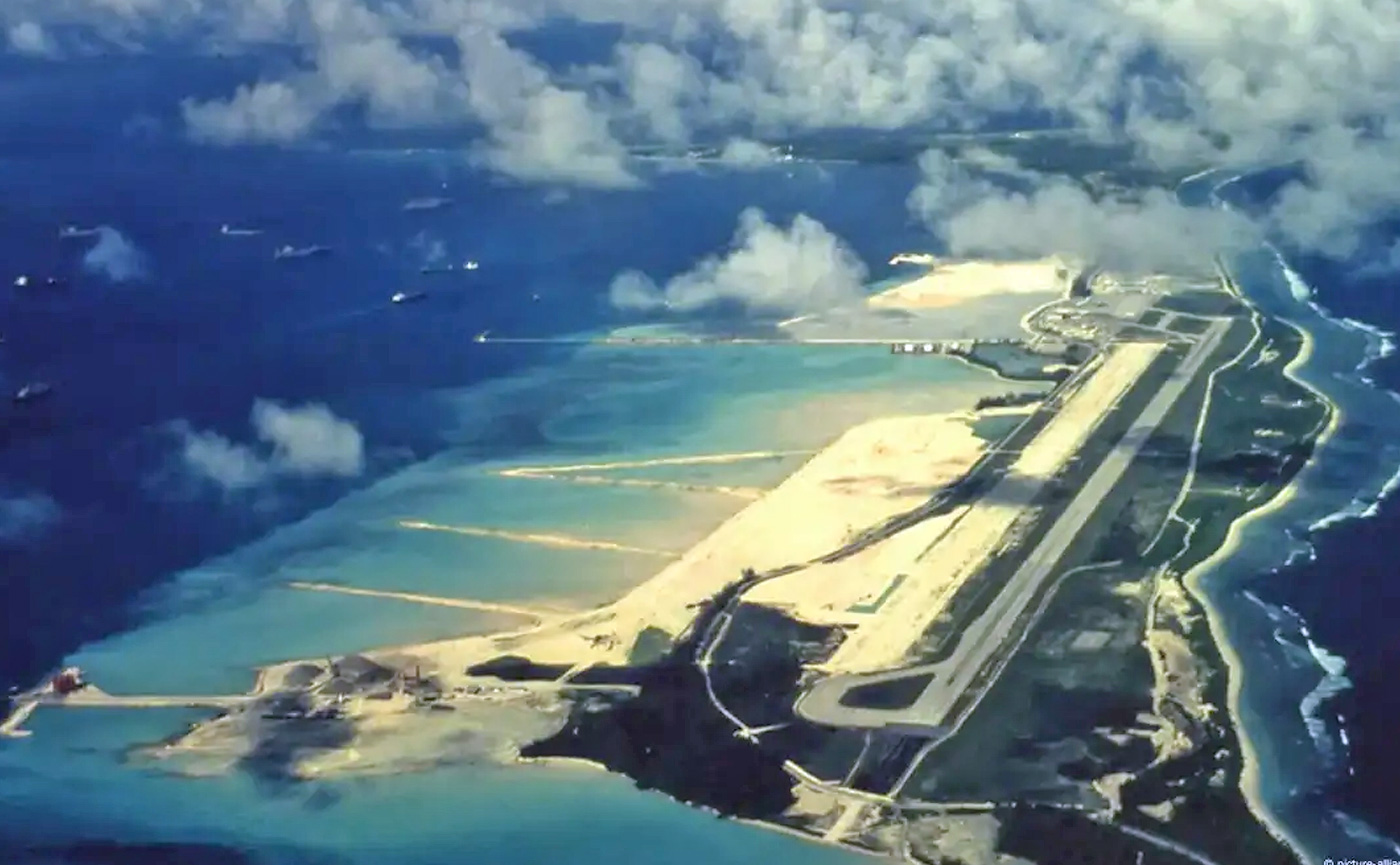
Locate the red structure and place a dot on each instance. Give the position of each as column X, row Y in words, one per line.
column 68, row 681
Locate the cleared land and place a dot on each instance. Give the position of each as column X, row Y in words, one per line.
column 981, row 639
column 873, row 472
column 984, row 528
column 954, row 283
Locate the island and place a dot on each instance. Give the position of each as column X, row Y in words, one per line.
column 962, row 637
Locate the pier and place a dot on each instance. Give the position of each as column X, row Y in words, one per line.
column 919, row 346
column 91, row 697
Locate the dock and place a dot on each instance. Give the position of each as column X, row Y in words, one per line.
column 91, row 697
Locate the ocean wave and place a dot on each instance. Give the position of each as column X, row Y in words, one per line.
column 1356, row 509
column 1362, row 831
column 1380, row 344
column 1327, row 730
column 1297, row 286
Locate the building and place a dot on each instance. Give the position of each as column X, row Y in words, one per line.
column 67, row 681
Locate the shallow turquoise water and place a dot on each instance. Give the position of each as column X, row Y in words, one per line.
column 72, row 770
column 213, row 624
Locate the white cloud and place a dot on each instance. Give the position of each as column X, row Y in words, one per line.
column 537, row 131
column 309, row 440
column 744, row 153
column 768, row 268
column 306, row 441
column 228, row 464
column 976, row 216
column 1277, row 79
column 115, row 257
column 269, row 111
column 27, row 37
column 26, row 517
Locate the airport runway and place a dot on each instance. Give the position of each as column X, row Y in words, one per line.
column 990, row 631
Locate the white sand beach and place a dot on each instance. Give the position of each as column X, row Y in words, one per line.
column 954, row 283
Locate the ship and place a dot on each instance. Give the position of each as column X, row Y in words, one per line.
column 448, row 268
column 75, row 231
column 33, row 391
column 300, row 252
column 407, row 296
column 230, row 231
column 430, row 203
column 25, row 281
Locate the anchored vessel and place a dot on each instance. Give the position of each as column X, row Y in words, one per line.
column 33, row 391
column 300, row 251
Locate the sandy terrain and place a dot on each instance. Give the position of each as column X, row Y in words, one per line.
column 825, row 594
column 984, row 528
column 872, row 472
column 951, row 301
column 955, row 283
column 914, row 258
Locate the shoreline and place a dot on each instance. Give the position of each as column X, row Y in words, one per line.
column 566, row 763
column 809, row 837
column 1250, row 778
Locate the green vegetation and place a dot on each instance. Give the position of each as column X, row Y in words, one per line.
column 1150, row 318
column 1099, row 165
column 1083, row 668
column 1057, row 837
column 891, row 694
column 1258, row 432
column 1014, row 361
column 1202, row 302
column 973, row 596
column 652, row 645
column 1007, row 400
column 1189, row 326
column 998, row 426
column 1040, row 717
column 1134, row 332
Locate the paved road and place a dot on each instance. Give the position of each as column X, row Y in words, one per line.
column 990, row 631
column 93, row 697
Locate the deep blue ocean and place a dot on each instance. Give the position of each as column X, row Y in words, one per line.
column 215, row 322
column 1348, row 588
column 200, row 325
column 210, row 323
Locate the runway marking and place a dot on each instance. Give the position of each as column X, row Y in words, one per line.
column 435, row 600
column 563, row 542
